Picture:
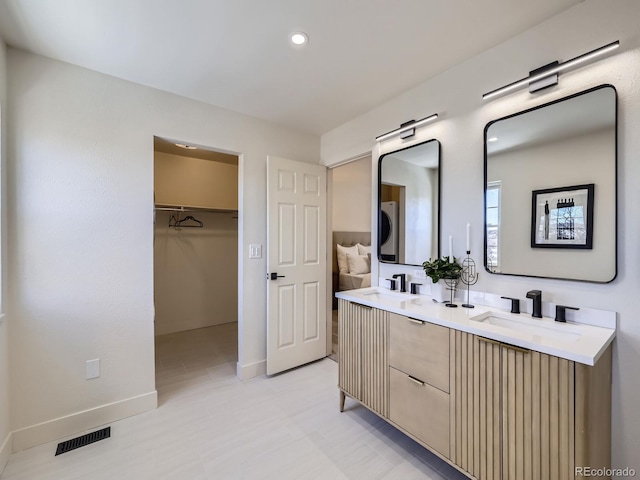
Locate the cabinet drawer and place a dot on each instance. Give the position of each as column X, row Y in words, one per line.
column 420, row 349
column 420, row 409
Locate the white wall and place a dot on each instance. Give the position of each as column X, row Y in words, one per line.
column 195, row 273
column 420, row 190
column 456, row 94
column 352, row 196
column 581, row 159
column 80, row 174
column 5, row 428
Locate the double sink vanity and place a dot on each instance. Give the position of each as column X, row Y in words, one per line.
column 498, row 395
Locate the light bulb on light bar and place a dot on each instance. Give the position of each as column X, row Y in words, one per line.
column 557, row 69
column 187, row 147
column 408, row 126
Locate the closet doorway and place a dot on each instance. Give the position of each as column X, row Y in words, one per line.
column 350, row 243
column 195, row 267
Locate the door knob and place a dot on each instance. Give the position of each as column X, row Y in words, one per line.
column 274, row 276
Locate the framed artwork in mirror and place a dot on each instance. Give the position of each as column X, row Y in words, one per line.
column 562, row 217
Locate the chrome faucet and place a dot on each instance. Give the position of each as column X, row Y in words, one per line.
column 536, row 296
column 403, row 281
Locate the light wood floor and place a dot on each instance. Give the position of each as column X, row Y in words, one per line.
column 209, row 425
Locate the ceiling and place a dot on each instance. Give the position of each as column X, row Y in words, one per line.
column 580, row 115
column 235, row 53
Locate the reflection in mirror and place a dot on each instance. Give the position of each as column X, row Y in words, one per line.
column 550, row 190
column 409, row 204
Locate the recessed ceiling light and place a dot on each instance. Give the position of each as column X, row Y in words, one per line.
column 299, row 38
column 492, row 139
column 188, row 147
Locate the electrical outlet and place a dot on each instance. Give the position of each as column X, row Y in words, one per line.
column 93, row 368
column 419, row 274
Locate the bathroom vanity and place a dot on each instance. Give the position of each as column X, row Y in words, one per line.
column 497, row 395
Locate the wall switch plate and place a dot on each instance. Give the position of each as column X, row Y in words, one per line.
column 93, row 368
column 255, row 251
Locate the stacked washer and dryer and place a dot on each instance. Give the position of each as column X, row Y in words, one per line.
column 389, row 232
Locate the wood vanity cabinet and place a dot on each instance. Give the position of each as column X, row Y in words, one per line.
column 521, row 414
column 493, row 410
column 363, row 371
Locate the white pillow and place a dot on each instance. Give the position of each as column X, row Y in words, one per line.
column 343, row 267
column 358, row 264
column 363, row 249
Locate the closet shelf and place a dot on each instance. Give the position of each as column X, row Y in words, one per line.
column 190, row 208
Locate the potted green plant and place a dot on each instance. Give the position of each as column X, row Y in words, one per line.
column 438, row 270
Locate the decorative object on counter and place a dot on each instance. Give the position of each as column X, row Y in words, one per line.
column 452, row 283
column 439, row 271
column 547, row 75
column 469, row 274
column 562, row 217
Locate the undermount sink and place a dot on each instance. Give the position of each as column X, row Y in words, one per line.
column 387, row 295
column 543, row 327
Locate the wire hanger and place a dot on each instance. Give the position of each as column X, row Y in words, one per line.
column 180, row 223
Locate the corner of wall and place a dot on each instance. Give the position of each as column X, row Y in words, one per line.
column 5, row 451
column 251, row 370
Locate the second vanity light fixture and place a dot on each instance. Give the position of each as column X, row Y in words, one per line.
column 548, row 75
column 407, row 129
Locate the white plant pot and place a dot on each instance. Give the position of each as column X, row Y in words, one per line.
column 439, row 291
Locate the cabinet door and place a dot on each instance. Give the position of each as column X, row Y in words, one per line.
column 477, row 417
column 363, row 349
column 349, row 348
column 514, row 413
column 538, row 415
column 375, row 360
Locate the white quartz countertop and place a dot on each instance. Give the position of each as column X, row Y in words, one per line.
column 575, row 341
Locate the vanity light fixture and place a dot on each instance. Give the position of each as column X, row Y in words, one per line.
column 548, row 75
column 187, row 147
column 407, row 129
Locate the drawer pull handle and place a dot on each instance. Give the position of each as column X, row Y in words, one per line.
column 488, row 340
column 416, row 321
column 517, row 349
column 415, row 380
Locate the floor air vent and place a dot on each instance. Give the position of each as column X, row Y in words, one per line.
column 78, row 442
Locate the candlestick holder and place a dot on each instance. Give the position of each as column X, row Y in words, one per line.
column 468, row 276
column 451, row 283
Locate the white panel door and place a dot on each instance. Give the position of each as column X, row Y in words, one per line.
column 297, row 250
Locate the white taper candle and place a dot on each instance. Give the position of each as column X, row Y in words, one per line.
column 450, row 249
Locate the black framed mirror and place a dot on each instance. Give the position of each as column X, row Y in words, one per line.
column 409, row 204
column 550, row 189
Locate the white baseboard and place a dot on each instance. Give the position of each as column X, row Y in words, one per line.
column 5, row 451
column 78, row 422
column 252, row 370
